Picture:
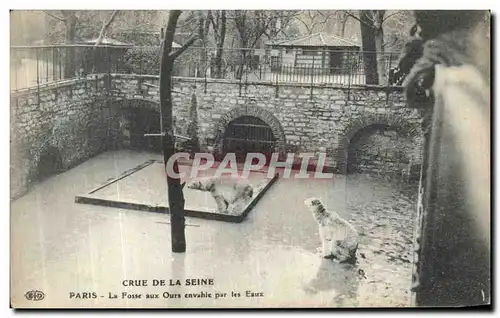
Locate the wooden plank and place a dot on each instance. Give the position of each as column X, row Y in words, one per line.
column 252, row 125
column 155, row 209
column 85, row 199
column 123, row 175
column 258, row 197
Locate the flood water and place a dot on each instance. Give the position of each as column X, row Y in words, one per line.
column 61, row 247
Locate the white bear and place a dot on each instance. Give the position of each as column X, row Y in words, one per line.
column 339, row 238
column 230, row 193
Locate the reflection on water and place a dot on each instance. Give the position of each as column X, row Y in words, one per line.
column 274, row 251
column 342, row 278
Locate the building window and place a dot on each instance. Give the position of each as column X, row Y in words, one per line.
column 310, row 52
column 275, row 63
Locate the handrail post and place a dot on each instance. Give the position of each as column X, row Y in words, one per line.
column 37, row 78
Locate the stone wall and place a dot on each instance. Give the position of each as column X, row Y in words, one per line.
column 302, row 119
column 76, row 119
column 66, row 122
column 379, row 150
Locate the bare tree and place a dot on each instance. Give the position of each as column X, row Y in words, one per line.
column 219, row 29
column 203, row 28
column 342, row 17
column 397, row 25
column 175, row 194
column 313, row 19
column 281, row 21
column 377, row 18
column 372, row 34
column 102, row 34
column 250, row 25
column 369, row 47
column 69, row 19
column 105, row 27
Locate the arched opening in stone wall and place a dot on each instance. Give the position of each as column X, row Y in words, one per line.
column 380, row 143
column 379, row 149
column 248, row 134
column 50, row 163
column 144, row 121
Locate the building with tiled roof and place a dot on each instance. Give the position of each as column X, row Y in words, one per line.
column 330, row 53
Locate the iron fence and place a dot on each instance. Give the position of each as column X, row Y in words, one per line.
column 35, row 65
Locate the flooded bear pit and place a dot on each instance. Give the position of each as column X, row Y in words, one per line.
column 69, row 247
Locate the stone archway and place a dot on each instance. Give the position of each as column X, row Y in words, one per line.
column 249, row 111
column 397, row 123
column 134, row 118
column 248, row 134
column 50, row 163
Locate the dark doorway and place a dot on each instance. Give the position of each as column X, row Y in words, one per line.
column 50, row 163
column 336, row 56
column 377, row 149
column 248, row 134
column 145, row 121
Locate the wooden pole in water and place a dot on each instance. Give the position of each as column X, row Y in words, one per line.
column 175, row 194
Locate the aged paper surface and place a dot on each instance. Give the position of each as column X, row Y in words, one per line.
column 249, row 159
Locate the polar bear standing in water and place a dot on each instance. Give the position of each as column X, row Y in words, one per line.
column 339, row 238
column 230, row 193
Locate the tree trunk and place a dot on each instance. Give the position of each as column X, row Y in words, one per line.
column 243, row 57
column 241, row 66
column 369, row 47
column 220, row 45
column 70, row 35
column 275, row 27
column 102, row 34
column 244, row 30
column 175, row 194
column 202, row 33
column 343, row 22
column 378, row 17
column 379, row 48
column 193, row 144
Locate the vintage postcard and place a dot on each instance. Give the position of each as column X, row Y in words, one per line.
column 249, row 158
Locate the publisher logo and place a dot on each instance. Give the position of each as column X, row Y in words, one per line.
column 34, row 295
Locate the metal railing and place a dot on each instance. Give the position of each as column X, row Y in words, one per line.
column 35, row 65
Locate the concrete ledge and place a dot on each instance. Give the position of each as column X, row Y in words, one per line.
column 92, row 77
column 57, row 84
column 88, row 199
column 207, row 80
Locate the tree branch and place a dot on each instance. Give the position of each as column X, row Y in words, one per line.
column 174, row 54
column 390, row 15
column 262, row 31
column 306, row 25
column 207, row 24
column 284, row 24
column 215, row 25
column 356, row 18
column 388, row 43
column 54, row 16
column 105, row 28
column 169, row 33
